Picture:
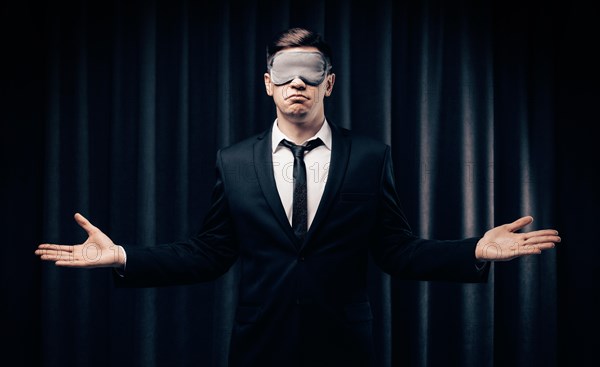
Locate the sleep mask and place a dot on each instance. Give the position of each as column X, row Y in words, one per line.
column 311, row 67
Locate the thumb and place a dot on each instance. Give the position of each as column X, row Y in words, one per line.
column 519, row 223
column 85, row 224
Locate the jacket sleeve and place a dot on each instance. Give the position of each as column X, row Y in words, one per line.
column 203, row 257
column 400, row 253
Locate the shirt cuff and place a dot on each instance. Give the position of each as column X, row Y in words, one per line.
column 121, row 271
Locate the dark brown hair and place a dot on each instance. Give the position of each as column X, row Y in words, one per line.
column 298, row 37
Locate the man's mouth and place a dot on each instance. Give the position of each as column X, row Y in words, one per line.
column 297, row 97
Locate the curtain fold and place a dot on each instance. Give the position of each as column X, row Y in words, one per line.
column 137, row 97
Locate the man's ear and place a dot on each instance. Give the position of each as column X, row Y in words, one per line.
column 329, row 84
column 268, row 84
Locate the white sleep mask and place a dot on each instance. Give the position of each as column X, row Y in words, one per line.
column 311, row 67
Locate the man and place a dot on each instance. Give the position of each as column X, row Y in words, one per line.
column 301, row 206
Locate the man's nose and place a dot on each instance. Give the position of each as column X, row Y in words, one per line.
column 297, row 83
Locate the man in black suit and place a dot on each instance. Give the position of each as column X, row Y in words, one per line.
column 301, row 206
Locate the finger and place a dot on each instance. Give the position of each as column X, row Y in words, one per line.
column 544, row 246
column 51, row 252
column 85, row 224
column 72, row 263
column 529, row 250
column 57, row 255
column 541, row 232
column 51, row 246
column 67, row 256
column 519, row 223
column 541, row 239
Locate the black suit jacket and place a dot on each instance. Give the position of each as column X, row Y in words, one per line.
column 303, row 303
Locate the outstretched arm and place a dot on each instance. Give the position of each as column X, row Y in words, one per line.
column 503, row 243
column 98, row 251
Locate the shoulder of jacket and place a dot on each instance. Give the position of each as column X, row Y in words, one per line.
column 242, row 146
column 364, row 141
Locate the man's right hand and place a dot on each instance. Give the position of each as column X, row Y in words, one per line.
column 98, row 251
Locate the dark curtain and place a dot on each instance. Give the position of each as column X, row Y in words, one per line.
column 116, row 110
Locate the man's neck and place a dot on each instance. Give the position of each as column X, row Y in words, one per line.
column 300, row 131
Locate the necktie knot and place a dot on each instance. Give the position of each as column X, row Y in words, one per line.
column 299, row 150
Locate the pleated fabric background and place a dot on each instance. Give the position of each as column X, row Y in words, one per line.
column 116, row 110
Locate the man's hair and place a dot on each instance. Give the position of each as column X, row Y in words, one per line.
column 298, row 37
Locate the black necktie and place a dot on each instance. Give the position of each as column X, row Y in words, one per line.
column 299, row 209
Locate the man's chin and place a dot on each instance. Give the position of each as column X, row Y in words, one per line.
column 297, row 114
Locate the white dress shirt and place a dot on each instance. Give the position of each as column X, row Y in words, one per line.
column 317, row 169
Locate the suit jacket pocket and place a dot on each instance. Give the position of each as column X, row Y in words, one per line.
column 353, row 197
column 358, row 312
column 247, row 314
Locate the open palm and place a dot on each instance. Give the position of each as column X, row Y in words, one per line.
column 97, row 251
column 504, row 243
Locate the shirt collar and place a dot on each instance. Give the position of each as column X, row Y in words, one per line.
column 324, row 134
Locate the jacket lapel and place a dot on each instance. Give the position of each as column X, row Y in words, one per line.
column 263, row 164
column 340, row 154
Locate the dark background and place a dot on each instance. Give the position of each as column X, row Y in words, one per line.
column 116, row 110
